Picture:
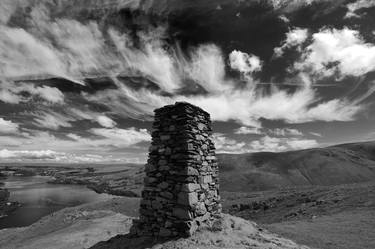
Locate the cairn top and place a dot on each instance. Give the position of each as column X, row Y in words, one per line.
column 181, row 106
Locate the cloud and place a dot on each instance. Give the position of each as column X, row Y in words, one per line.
column 14, row 93
column 50, row 94
column 284, row 18
column 54, row 156
column 26, row 55
column 316, row 134
column 227, row 145
column 282, row 132
column 269, row 144
column 24, row 154
column 123, row 137
column 337, row 52
column 248, row 130
column 245, row 106
column 266, row 143
column 274, row 144
column 119, row 145
column 106, row 121
column 55, row 119
column 151, row 61
column 206, row 67
column 63, row 47
column 68, row 48
column 300, row 144
column 8, row 127
column 358, row 5
column 244, row 63
column 54, row 47
column 52, row 120
column 294, row 39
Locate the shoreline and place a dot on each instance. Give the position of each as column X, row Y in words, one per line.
column 124, row 181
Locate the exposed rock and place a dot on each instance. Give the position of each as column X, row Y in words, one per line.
column 226, row 232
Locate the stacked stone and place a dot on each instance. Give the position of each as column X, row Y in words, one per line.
column 181, row 189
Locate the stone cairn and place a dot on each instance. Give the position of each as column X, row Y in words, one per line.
column 181, row 189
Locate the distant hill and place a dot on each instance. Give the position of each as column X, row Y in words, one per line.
column 339, row 164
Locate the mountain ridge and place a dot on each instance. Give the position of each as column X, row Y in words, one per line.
column 333, row 165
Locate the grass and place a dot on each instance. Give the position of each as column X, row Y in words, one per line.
column 346, row 230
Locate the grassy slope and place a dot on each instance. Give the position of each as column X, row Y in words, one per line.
column 329, row 217
column 346, row 163
column 345, row 230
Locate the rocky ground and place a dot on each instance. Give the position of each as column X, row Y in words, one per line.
column 234, row 233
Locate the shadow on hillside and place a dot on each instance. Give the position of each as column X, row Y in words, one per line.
column 129, row 241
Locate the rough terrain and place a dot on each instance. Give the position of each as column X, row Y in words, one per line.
column 86, row 225
column 236, row 233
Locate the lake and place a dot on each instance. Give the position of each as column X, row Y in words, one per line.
column 39, row 198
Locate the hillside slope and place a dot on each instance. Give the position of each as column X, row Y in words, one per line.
column 339, row 164
column 86, row 225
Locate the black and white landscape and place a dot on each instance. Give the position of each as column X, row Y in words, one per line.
column 289, row 86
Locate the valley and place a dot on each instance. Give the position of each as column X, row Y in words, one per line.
column 270, row 190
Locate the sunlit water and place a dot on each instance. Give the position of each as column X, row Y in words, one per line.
column 38, row 198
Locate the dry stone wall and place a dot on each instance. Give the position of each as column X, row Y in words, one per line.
column 181, row 187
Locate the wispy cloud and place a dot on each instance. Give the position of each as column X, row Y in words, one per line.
column 14, row 93
column 123, row 137
column 51, row 46
column 71, row 49
column 52, row 120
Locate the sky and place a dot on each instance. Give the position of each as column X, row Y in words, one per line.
column 79, row 80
